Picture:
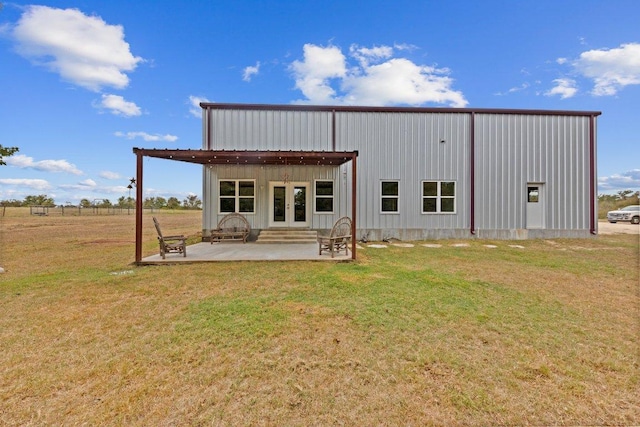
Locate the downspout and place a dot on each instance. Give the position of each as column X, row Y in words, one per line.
column 138, row 205
column 592, row 177
column 472, row 171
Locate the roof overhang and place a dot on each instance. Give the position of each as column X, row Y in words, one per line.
column 244, row 157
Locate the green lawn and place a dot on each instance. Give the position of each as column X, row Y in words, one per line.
column 541, row 335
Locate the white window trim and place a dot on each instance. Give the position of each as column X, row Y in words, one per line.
column 316, row 196
column 397, row 197
column 237, row 196
column 439, row 197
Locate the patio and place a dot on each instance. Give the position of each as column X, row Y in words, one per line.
column 220, row 252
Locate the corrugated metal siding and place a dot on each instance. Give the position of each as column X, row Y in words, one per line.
column 269, row 130
column 265, row 174
column 513, row 150
column 406, row 147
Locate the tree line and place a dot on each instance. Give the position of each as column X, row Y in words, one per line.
column 191, row 202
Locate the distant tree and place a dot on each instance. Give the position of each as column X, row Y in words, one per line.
column 126, row 202
column 12, row 203
column 85, row 203
column 173, row 203
column 192, row 202
column 6, row 151
column 154, row 202
column 39, row 200
column 105, row 203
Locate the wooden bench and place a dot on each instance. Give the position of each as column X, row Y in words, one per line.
column 232, row 226
column 338, row 239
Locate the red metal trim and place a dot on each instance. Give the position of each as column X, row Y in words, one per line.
column 337, row 108
column 592, row 177
column 472, row 172
column 139, row 158
column 354, row 158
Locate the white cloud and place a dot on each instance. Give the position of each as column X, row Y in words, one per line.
column 366, row 55
column 109, row 175
column 312, row 75
column 610, row 69
column 36, row 184
column 83, row 49
column 147, row 136
column 377, row 78
column 119, row 106
column 564, row 87
column 88, row 183
column 626, row 181
column 250, row 71
column 194, row 102
column 24, row 162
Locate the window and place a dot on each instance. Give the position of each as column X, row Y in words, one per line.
column 237, row 196
column 438, row 197
column 389, row 196
column 324, row 196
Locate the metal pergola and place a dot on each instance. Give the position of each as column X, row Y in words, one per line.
column 241, row 157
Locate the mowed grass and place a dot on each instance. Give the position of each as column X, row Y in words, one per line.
column 541, row 335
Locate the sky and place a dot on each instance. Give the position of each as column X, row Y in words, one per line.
column 83, row 82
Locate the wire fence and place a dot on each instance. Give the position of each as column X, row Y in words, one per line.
column 84, row 211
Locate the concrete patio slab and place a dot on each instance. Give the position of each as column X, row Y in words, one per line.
column 225, row 251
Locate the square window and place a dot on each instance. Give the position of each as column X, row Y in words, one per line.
column 438, row 197
column 236, row 196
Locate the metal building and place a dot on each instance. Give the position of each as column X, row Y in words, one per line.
column 422, row 173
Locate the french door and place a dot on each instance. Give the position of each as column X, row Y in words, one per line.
column 288, row 204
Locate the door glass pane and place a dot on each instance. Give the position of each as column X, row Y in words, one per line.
column 533, row 194
column 300, row 204
column 279, row 201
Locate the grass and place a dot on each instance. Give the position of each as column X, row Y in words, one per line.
column 543, row 335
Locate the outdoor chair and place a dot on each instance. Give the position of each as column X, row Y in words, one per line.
column 170, row 244
column 232, row 226
column 338, row 239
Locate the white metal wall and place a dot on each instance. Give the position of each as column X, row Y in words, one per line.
column 512, row 150
column 409, row 148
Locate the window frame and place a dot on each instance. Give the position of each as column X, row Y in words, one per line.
column 387, row 196
column 438, row 197
column 316, row 196
column 237, row 196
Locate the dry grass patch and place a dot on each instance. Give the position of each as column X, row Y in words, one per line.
column 404, row 336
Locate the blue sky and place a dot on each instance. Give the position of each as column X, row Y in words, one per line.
column 82, row 82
